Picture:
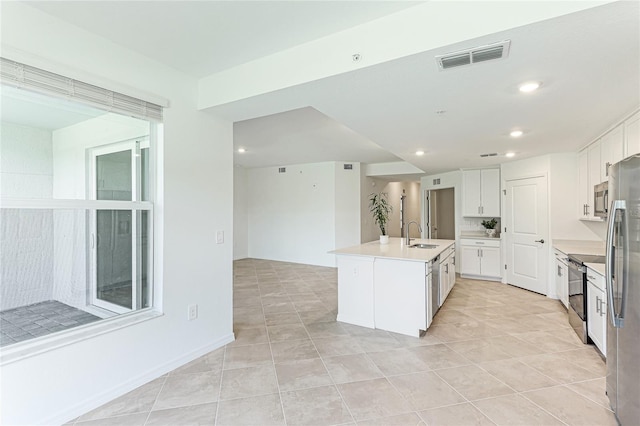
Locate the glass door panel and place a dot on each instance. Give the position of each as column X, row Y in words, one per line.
column 113, row 257
column 114, row 231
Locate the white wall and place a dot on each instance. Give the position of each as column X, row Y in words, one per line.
column 240, row 214
column 295, row 216
column 196, row 201
column 347, row 205
column 447, row 180
column 562, row 172
column 26, row 237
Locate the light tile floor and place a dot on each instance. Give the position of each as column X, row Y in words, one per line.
column 495, row 355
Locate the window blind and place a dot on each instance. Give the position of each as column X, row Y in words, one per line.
column 35, row 79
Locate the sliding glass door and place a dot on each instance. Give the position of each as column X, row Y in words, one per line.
column 119, row 238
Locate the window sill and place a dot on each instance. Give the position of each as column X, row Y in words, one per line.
column 39, row 345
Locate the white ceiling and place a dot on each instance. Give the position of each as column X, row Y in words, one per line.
column 589, row 63
column 204, row 37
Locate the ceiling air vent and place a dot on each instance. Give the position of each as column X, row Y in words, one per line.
column 474, row 55
column 282, row 170
column 436, row 181
column 348, row 166
column 493, row 154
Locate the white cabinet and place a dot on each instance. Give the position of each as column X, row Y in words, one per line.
column 481, row 193
column 597, row 310
column 632, row 135
column 611, row 150
column 447, row 272
column 480, row 258
column 562, row 278
column 589, row 175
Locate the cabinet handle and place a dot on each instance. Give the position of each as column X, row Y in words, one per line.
column 482, row 208
column 602, row 302
column 559, row 271
column 598, row 306
column 478, row 209
column 606, row 170
column 592, row 278
column 453, row 260
column 587, row 206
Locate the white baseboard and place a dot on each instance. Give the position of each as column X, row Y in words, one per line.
column 96, row 401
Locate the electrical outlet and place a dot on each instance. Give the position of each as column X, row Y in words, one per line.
column 192, row 312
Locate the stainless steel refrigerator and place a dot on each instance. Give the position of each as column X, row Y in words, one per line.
column 623, row 290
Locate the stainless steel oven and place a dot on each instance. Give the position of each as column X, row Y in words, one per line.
column 578, row 292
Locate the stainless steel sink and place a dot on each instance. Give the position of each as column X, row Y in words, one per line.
column 424, row 246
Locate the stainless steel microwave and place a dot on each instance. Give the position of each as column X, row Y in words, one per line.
column 601, row 200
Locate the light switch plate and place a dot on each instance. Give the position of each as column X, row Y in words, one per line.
column 192, row 312
column 219, row 237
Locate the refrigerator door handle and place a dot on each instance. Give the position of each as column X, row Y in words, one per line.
column 616, row 205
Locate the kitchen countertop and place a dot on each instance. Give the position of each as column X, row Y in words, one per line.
column 479, row 235
column 579, row 247
column 397, row 249
column 596, row 267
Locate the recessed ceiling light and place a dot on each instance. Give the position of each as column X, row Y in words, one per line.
column 516, row 133
column 510, row 154
column 419, row 152
column 529, row 86
column 241, row 150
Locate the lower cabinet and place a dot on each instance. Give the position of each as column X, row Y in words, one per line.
column 447, row 273
column 597, row 311
column 480, row 258
column 562, row 278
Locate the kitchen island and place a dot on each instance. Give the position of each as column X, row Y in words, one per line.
column 394, row 287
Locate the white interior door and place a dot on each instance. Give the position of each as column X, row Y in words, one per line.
column 527, row 229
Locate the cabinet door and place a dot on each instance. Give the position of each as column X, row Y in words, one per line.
column 632, row 135
column 470, row 260
column 490, row 262
column 471, row 193
column 594, row 317
column 490, row 192
column 583, row 183
column 452, row 271
column 564, row 297
column 562, row 282
column 611, row 150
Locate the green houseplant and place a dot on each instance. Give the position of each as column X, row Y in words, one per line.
column 380, row 209
column 490, row 226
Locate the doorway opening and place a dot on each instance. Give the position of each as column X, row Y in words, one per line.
column 441, row 217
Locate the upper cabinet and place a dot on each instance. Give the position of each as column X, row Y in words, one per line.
column 611, row 150
column 632, row 135
column 595, row 160
column 481, row 193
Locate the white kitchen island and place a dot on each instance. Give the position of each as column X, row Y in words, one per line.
column 390, row 286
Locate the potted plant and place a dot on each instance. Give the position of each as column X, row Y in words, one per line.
column 490, row 226
column 381, row 209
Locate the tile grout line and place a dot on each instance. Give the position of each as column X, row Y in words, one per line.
column 335, row 385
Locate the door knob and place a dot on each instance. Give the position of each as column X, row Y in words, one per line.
column 540, row 241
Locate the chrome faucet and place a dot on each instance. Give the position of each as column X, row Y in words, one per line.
column 406, row 231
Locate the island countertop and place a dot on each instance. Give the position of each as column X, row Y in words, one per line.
column 397, row 249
